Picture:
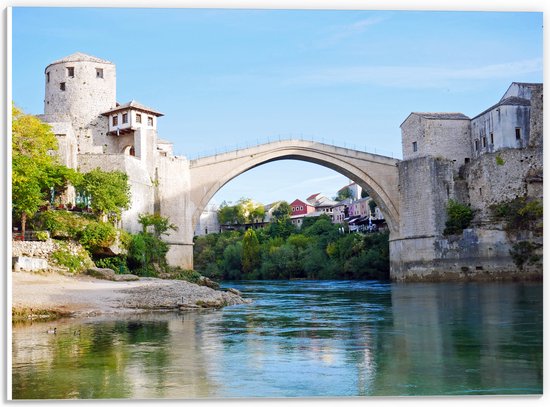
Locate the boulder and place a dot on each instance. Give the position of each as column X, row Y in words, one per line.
column 24, row 263
column 108, row 274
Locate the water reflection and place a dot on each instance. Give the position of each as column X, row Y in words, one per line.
column 299, row 339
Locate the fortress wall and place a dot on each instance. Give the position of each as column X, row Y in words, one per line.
column 141, row 185
column 498, row 177
column 425, row 185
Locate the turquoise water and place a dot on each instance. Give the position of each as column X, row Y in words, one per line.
column 298, row 339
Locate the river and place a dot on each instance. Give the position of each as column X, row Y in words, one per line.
column 298, row 339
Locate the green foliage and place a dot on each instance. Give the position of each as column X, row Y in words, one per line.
column 245, row 211
column 75, row 261
column 42, row 235
column 109, row 191
column 344, row 193
column 282, row 211
column 251, row 252
column 97, row 235
column 62, row 224
column 499, row 160
column 34, row 170
column 525, row 252
column 161, row 225
column 115, row 263
column 520, row 214
column 318, row 252
column 191, row 276
column 459, row 217
column 146, row 254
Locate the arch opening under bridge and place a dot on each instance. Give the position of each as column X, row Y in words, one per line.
column 376, row 174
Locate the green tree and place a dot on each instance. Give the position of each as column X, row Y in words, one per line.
column 344, row 193
column 161, row 225
column 282, row 211
column 109, row 191
column 251, row 252
column 35, row 171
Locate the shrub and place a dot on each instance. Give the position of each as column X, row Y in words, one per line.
column 62, row 224
column 459, row 217
column 147, row 254
column 76, row 260
column 96, row 235
column 520, row 213
column 42, row 235
column 116, row 263
column 177, row 273
column 524, row 252
column 499, row 160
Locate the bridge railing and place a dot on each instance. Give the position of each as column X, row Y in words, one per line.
column 229, row 148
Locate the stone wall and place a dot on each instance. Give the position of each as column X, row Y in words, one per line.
column 449, row 139
column 502, row 176
column 141, row 184
column 425, row 185
column 477, row 254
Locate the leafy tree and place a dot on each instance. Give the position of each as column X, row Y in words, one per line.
column 231, row 214
column 109, row 191
column 282, row 211
column 35, row 171
column 251, row 252
column 344, row 193
column 161, row 225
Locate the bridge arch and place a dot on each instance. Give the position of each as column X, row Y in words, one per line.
column 375, row 173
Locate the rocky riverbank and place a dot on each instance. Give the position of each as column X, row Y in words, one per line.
column 46, row 295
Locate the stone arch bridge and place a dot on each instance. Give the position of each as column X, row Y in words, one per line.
column 376, row 174
column 185, row 187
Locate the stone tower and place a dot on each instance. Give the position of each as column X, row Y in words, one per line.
column 79, row 88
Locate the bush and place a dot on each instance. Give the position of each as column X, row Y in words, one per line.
column 62, row 224
column 524, row 252
column 117, row 264
column 96, row 235
column 75, row 261
column 42, row 235
column 459, row 217
column 520, row 214
column 192, row 276
column 147, row 254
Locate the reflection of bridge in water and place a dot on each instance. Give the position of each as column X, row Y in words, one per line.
column 376, row 174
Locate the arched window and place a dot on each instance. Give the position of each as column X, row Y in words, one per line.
column 129, row 150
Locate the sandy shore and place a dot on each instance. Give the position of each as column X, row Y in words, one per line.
column 88, row 296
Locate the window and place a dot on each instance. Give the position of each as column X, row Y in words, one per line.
column 149, row 121
column 124, row 117
column 477, row 145
column 484, row 141
column 99, row 73
column 518, row 133
column 62, row 86
column 138, row 118
column 70, row 72
column 466, row 160
column 115, row 120
column 415, row 146
column 492, row 138
column 48, row 77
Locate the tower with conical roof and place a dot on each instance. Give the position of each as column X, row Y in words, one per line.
column 79, row 88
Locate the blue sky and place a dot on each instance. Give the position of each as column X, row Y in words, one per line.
column 226, row 77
